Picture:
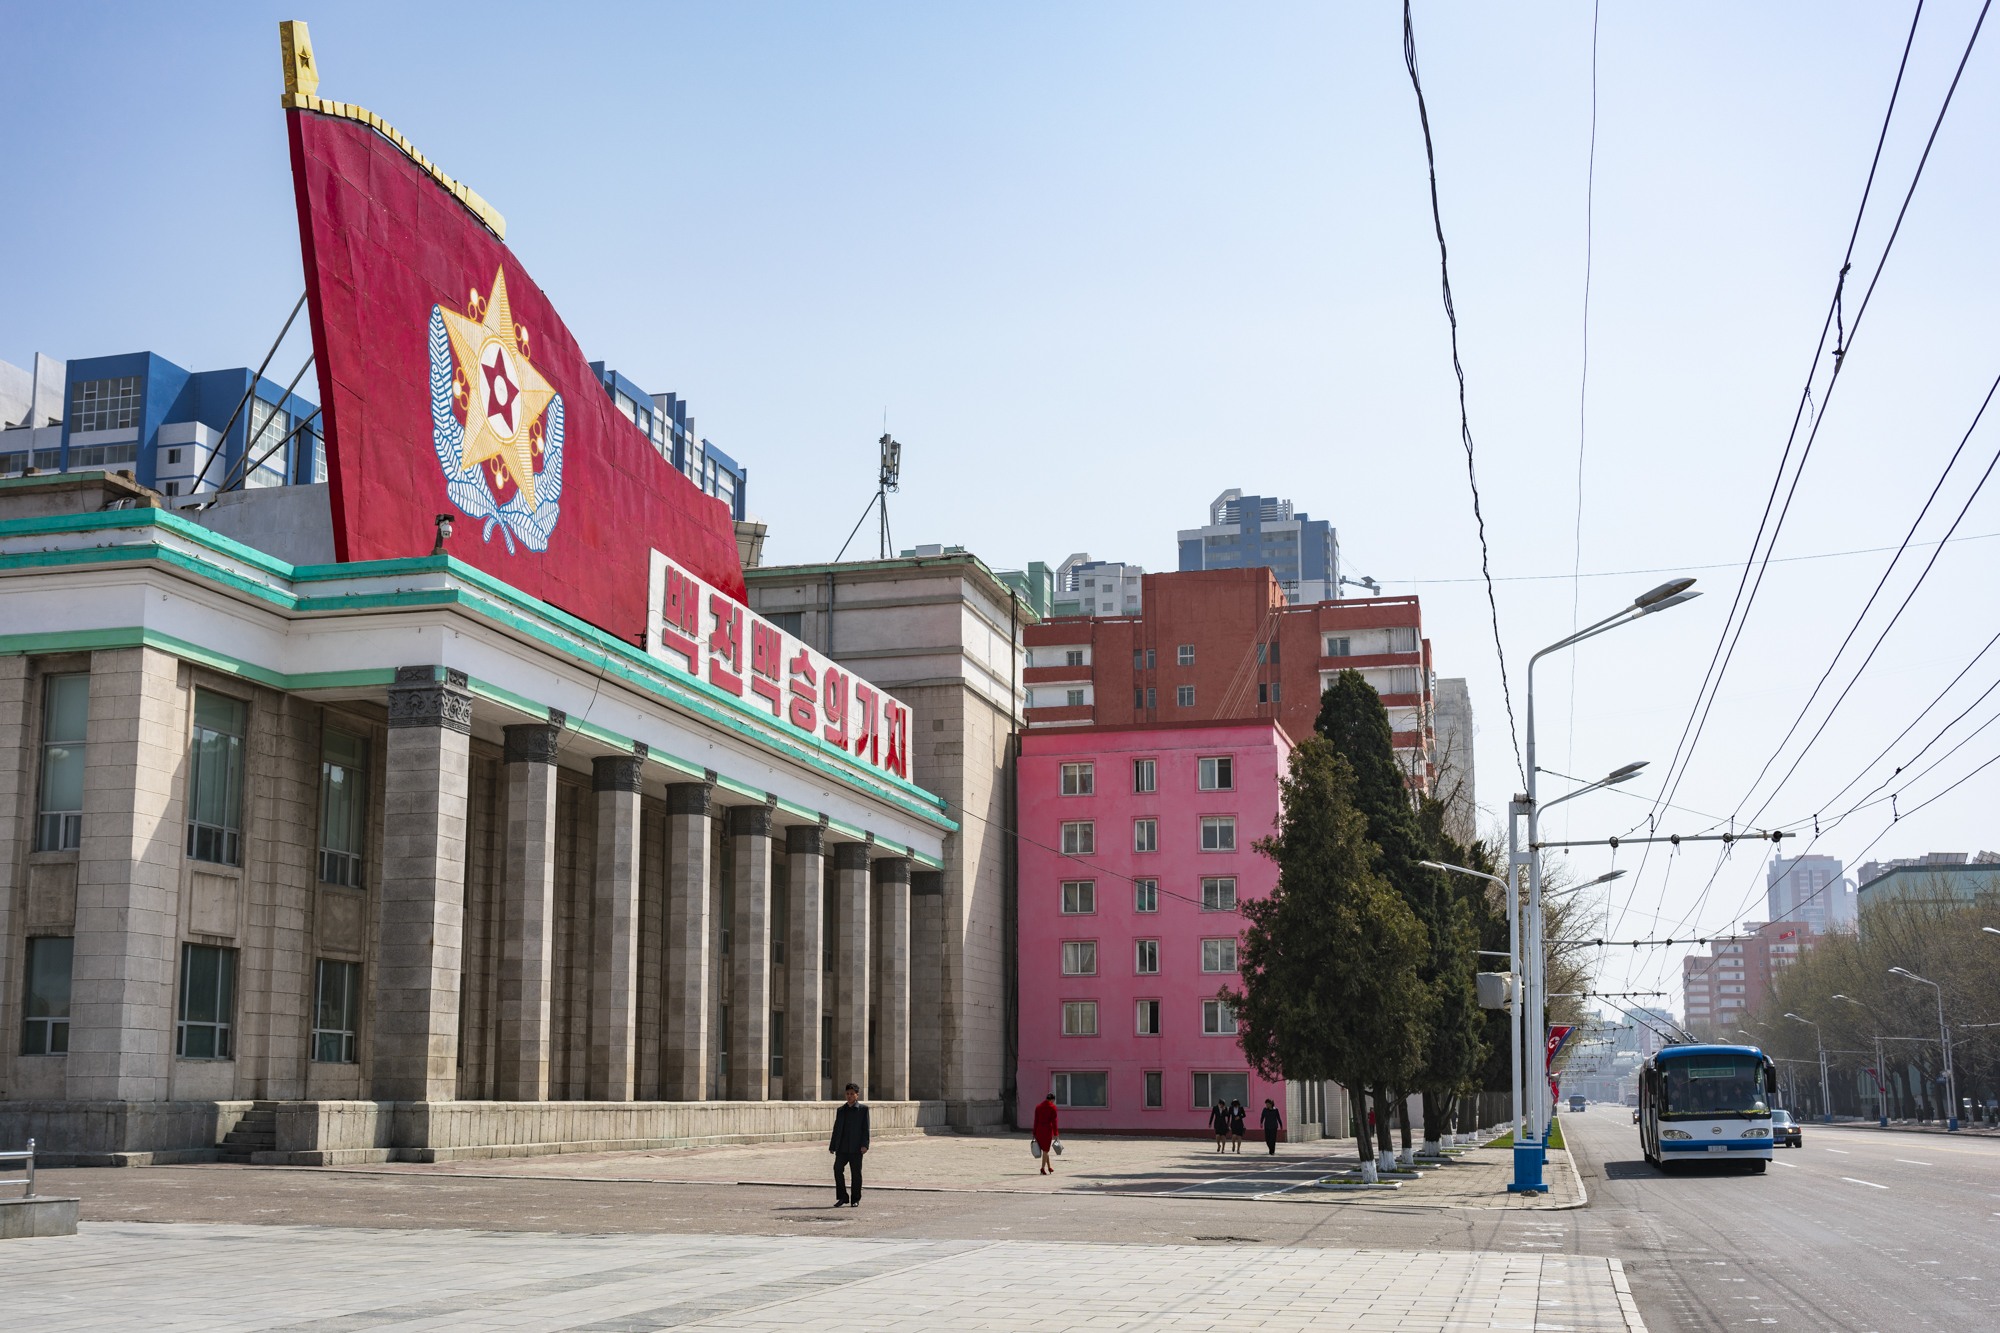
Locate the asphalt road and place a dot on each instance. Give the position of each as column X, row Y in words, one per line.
column 1859, row 1231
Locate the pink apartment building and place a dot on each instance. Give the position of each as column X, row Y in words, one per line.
column 1135, row 849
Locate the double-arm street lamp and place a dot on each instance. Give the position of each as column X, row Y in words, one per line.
column 1825, row 1093
column 1647, row 603
column 1944, row 1036
column 1881, row 1079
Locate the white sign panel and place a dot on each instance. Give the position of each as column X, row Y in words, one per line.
column 712, row 636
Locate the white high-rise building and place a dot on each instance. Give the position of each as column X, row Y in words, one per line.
column 1811, row 889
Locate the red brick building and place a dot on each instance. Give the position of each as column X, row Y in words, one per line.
column 1219, row 645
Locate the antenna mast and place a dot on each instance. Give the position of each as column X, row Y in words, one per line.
column 889, row 480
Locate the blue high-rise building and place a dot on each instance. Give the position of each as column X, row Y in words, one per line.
column 181, row 432
column 1247, row 531
column 664, row 419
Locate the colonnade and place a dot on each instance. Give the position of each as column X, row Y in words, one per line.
column 417, row 991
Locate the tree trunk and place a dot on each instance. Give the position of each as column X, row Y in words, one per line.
column 1357, row 1109
column 1403, row 1123
column 1384, row 1145
column 1437, row 1121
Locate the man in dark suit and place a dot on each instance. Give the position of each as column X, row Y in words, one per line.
column 849, row 1142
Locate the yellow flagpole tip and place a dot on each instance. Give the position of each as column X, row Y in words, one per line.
column 301, row 68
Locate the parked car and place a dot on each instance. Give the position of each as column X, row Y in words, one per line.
column 1785, row 1131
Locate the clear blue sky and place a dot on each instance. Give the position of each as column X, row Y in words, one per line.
column 1102, row 262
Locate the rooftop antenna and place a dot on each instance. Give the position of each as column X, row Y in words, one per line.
column 888, row 478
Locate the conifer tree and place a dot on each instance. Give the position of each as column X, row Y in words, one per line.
column 1329, row 960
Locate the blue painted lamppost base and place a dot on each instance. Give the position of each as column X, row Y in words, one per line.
column 1528, row 1158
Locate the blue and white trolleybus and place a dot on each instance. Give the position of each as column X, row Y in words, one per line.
column 1707, row 1103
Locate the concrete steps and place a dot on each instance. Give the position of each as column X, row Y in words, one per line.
column 256, row 1132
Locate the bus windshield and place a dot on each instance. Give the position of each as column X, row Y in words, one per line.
column 1710, row 1085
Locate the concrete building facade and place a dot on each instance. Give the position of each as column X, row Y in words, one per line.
column 1722, row 988
column 1086, row 587
column 1226, row 645
column 345, row 862
column 1811, row 889
column 946, row 635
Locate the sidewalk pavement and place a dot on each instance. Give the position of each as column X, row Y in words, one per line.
column 1105, row 1164
column 1965, row 1128
column 163, row 1278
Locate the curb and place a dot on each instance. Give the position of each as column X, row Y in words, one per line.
column 1626, row 1305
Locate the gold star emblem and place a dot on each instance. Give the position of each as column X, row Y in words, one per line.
column 505, row 394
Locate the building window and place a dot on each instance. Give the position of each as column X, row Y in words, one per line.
column 1263, row 693
column 215, row 780
column 1218, row 833
column 1217, row 774
column 1218, row 955
column 1079, row 1018
column 1155, row 1089
column 343, row 807
column 1218, row 894
column 1074, row 657
column 1217, row 1019
column 174, row 456
column 1184, row 695
column 790, row 622
column 826, row 1045
column 1149, row 698
column 1145, row 776
column 1261, row 650
column 1277, row 688
column 777, row 1044
column 208, row 984
column 1148, row 1024
column 1075, row 698
column 1145, row 835
column 1150, row 655
column 1146, row 961
column 1274, row 650
column 1079, row 837
column 1138, row 698
column 46, row 1031
column 104, row 404
column 1145, row 895
column 267, row 452
column 1337, row 647
column 1079, row 1089
column 1403, row 639
column 1138, row 660
column 1079, row 958
column 1185, row 654
column 1220, row 1087
column 336, row 1002
column 1079, row 897
column 1079, row 779
column 65, row 719
column 1402, row 680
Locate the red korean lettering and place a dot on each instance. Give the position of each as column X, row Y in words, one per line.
column 805, row 693
column 898, row 720
column 867, row 741
column 725, row 644
column 680, row 618
column 833, row 702
column 767, row 656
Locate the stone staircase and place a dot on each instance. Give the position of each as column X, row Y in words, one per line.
column 256, row 1132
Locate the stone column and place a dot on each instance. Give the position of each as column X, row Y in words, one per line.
column 614, row 971
column 750, row 955
column 127, row 931
column 423, row 886
column 850, row 963
column 926, row 984
column 805, row 945
column 685, row 1033
column 892, row 1024
column 527, row 913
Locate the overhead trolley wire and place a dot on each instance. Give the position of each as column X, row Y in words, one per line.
column 1464, row 420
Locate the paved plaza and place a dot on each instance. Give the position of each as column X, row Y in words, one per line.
column 164, row 1278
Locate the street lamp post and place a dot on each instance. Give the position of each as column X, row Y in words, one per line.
column 1944, row 1034
column 1646, row 604
column 1825, row 1094
column 1514, row 1007
column 1881, row 1082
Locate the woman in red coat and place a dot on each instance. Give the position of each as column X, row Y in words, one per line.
column 1045, row 1132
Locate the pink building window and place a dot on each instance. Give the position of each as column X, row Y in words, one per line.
column 1218, row 893
column 1216, row 774
column 1080, row 958
column 1079, row 779
column 1145, row 775
column 1145, row 895
column 1146, row 957
column 1145, row 835
column 1149, row 1019
column 1218, row 833
column 1080, row 1018
column 1079, row 897
column 1079, row 837
column 1218, row 955
column 1217, row 1019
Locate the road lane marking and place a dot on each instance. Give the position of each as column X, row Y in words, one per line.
column 1869, row 1183
column 1842, row 1151
column 1793, row 1165
column 1910, row 1161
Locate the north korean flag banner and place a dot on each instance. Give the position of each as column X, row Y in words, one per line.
column 449, row 386
column 1558, row 1037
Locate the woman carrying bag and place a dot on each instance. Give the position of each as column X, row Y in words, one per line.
column 1218, row 1120
column 1045, row 1134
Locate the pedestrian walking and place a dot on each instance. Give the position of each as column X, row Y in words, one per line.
column 1236, row 1117
column 1218, row 1120
column 848, row 1145
column 1045, row 1134
column 1272, row 1122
